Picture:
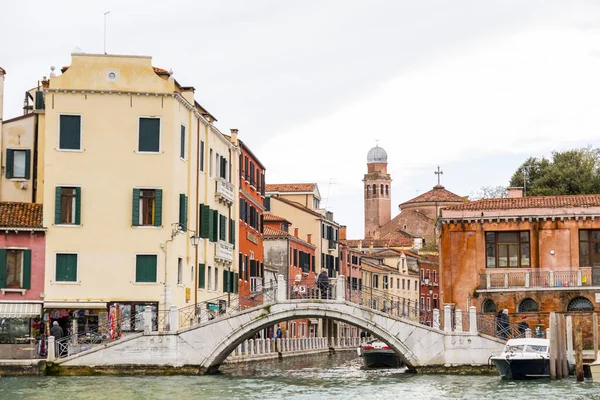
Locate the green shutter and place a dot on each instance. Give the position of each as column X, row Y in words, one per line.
column 222, row 227
column 26, row 269
column 235, row 282
column 201, row 276
column 149, row 135
column 145, row 268
column 232, row 283
column 204, row 221
column 27, row 164
column 9, row 164
column 77, row 206
column 232, row 231
column 158, row 200
column 70, row 132
column 135, row 210
column 57, row 205
column 182, row 150
column 225, row 281
column 183, row 202
column 66, row 267
column 2, row 268
column 215, row 226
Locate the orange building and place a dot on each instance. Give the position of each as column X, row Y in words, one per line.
column 530, row 255
column 252, row 196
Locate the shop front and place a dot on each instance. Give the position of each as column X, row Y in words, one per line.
column 75, row 317
column 21, row 331
column 128, row 310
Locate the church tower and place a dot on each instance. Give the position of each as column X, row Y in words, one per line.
column 377, row 192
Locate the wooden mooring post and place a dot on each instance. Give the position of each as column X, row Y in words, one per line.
column 563, row 346
column 595, row 325
column 578, row 349
column 553, row 346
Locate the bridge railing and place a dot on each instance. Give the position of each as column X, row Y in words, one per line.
column 301, row 288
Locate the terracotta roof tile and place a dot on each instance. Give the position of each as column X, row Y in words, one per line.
column 274, row 218
column 20, row 215
column 270, row 232
column 393, row 242
column 290, row 187
column 437, row 194
column 569, row 201
column 298, row 205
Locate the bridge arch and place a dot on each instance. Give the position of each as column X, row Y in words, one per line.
column 396, row 333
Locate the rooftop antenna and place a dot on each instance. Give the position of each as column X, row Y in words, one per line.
column 105, row 14
column 328, row 189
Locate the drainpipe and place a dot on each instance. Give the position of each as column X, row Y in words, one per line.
column 196, row 269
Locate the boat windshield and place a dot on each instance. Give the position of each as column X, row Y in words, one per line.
column 537, row 349
column 514, row 348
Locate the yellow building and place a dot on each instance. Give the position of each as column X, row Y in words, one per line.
column 299, row 203
column 129, row 167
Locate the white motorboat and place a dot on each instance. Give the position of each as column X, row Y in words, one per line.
column 377, row 354
column 524, row 359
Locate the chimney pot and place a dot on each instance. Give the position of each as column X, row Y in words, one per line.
column 296, row 232
column 309, row 238
column 515, row 192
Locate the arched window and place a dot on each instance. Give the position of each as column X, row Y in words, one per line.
column 381, row 187
column 488, row 306
column 580, row 304
column 528, row 305
column 368, row 190
column 374, row 190
column 386, row 190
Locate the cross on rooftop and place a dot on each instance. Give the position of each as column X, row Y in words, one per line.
column 439, row 173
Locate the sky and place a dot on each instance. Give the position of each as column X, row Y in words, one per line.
column 475, row 87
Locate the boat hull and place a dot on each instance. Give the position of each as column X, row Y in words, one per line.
column 381, row 359
column 523, row 368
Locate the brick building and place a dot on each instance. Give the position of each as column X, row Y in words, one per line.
column 531, row 255
column 251, row 198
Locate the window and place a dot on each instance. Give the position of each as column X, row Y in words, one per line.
column 147, row 207
column 180, row 271
column 315, row 204
column 527, row 305
column 15, row 268
column 68, row 206
column 408, row 284
column 507, row 249
column 376, row 281
column 374, row 190
column 434, row 276
column 145, row 268
column 429, row 304
column 381, row 189
column 386, row 190
column 488, row 306
column 202, row 156
column 183, row 211
column 385, row 282
column 149, row 135
column 66, row 267
column 216, row 287
column 18, row 163
column 182, row 143
column 398, row 283
column 69, row 132
column 422, row 303
column 210, row 162
column 368, row 190
column 589, row 248
column 403, row 286
column 580, row 304
column 209, row 278
column 435, row 301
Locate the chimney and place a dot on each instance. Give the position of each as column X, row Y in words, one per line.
column 515, row 192
column 234, row 136
column 342, row 232
column 309, row 238
column 295, row 232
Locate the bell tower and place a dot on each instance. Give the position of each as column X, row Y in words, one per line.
column 377, row 192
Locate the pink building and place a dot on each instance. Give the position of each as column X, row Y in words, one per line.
column 22, row 249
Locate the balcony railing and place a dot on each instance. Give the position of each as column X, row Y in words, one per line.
column 224, row 252
column 224, row 191
column 535, row 278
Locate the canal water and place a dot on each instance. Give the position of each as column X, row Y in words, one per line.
column 312, row 377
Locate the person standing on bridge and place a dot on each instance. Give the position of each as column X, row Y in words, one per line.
column 323, row 283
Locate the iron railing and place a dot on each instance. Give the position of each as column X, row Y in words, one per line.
column 308, row 289
column 492, row 325
column 101, row 335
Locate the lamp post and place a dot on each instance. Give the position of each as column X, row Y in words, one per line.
column 178, row 228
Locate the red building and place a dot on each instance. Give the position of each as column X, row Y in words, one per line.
column 252, row 196
column 429, row 278
column 294, row 258
column 22, row 255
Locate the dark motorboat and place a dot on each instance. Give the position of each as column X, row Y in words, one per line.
column 524, row 359
column 376, row 354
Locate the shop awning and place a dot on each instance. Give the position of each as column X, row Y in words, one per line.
column 74, row 304
column 20, row 310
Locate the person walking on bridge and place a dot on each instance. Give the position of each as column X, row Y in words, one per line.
column 323, row 284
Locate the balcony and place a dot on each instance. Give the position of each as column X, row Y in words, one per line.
column 537, row 279
column 224, row 192
column 223, row 252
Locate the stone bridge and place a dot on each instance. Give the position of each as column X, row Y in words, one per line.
column 207, row 345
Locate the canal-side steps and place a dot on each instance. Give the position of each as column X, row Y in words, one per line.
column 205, row 345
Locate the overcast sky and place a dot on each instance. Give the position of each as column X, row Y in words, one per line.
column 474, row 86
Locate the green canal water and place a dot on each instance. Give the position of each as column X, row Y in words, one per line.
column 313, row 377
